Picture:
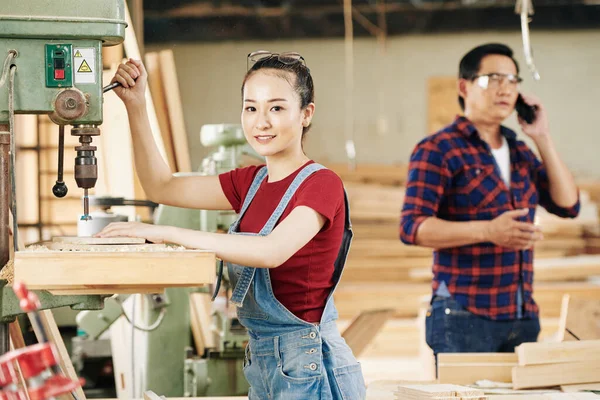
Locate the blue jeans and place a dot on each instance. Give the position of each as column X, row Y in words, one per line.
column 450, row 328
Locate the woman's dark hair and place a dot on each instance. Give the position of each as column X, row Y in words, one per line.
column 303, row 83
column 471, row 63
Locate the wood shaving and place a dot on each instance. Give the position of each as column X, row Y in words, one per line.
column 8, row 272
column 109, row 248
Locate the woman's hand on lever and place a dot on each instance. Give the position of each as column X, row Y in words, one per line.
column 133, row 77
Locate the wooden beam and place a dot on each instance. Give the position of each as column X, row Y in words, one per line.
column 555, row 353
column 173, row 99
column 62, row 270
column 207, row 10
column 548, row 375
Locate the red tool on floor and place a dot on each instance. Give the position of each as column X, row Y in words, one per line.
column 38, row 363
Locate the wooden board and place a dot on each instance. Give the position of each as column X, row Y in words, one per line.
column 548, row 375
column 581, row 387
column 442, row 102
column 468, row 368
column 364, row 328
column 97, row 240
column 582, row 319
column 171, row 89
column 54, row 336
column 384, row 174
column 405, row 298
column 201, row 321
column 59, row 270
column 554, row 353
column 162, row 113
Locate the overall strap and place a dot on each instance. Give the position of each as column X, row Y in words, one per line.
column 283, row 203
column 260, row 176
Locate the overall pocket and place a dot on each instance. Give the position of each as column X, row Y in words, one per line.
column 350, row 382
column 299, row 373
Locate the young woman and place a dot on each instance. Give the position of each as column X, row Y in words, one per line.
column 286, row 252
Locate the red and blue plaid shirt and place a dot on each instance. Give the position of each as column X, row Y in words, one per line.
column 454, row 176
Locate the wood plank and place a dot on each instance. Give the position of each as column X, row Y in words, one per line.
column 582, row 319
column 162, row 113
column 581, row 387
column 384, row 174
column 178, row 131
column 548, row 375
column 442, row 102
column 54, row 337
column 201, row 321
column 364, row 328
column 477, row 358
column 97, row 240
column 133, row 51
column 406, row 298
column 554, row 353
column 66, row 270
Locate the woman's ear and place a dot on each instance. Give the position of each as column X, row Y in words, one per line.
column 307, row 114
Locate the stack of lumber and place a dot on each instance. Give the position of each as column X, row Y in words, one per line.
column 553, row 364
column 382, row 272
column 438, row 392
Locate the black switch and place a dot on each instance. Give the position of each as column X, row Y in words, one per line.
column 59, row 63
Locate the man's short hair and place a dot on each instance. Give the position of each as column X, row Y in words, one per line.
column 471, row 62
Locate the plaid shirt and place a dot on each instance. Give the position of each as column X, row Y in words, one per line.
column 454, row 176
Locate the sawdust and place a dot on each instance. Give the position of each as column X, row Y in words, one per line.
column 108, row 248
column 8, row 272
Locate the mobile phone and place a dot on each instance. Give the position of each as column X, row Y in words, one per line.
column 525, row 111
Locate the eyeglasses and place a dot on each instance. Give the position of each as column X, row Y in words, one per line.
column 287, row 58
column 495, row 80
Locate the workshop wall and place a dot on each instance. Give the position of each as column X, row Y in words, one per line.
column 387, row 126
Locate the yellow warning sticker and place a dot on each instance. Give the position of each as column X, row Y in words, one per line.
column 84, row 67
column 78, row 54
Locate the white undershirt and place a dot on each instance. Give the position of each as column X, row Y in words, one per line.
column 502, row 156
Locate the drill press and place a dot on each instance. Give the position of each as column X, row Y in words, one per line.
column 51, row 63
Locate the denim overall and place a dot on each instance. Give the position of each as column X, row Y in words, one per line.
column 288, row 358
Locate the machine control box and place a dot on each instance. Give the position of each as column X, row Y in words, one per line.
column 59, row 65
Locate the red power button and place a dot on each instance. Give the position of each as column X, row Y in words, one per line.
column 59, row 74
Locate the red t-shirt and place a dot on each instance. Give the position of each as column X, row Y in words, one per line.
column 303, row 283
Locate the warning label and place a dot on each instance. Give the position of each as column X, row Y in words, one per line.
column 84, row 67
column 84, row 64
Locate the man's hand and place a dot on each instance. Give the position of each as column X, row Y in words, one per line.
column 505, row 231
column 539, row 128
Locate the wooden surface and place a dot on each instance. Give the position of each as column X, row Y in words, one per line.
column 114, row 272
column 97, row 240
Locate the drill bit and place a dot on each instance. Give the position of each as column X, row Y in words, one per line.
column 86, row 206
